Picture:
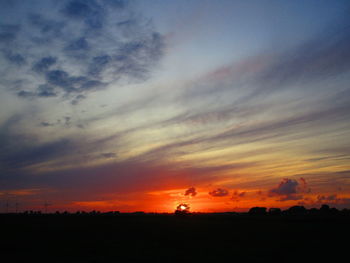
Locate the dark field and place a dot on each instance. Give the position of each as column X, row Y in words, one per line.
column 170, row 238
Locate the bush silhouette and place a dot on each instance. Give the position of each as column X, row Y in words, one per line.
column 275, row 211
column 296, row 210
column 257, row 211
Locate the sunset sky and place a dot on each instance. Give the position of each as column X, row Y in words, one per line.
column 143, row 105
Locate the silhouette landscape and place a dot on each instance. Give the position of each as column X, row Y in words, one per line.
column 294, row 234
column 174, row 130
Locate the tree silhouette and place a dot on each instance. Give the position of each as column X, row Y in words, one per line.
column 275, row 211
column 182, row 209
column 257, row 211
column 297, row 210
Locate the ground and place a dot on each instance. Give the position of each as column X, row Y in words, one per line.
column 173, row 238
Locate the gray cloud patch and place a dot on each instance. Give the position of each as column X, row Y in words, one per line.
column 8, row 32
column 48, row 28
column 44, row 64
column 14, row 58
column 98, row 64
column 290, row 189
column 90, row 12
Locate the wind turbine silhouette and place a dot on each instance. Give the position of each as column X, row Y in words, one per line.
column 7, row 205
column 46, row 205
column 16, row 205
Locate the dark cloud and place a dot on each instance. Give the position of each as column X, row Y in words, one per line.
column 8, row 32
column 61, row 79
column 290, row 189
column 88, row 11
column 44, row 64
column 17, row 59
column 14, row 58
column 191, row 191
column 47, row 27
column 286, row 187
column 220, row 192
column 98, row 64
column 77, row 47
column 130, row 61
column 80, row 44
column 72, row 84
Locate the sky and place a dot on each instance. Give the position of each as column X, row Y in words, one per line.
column 143, row 105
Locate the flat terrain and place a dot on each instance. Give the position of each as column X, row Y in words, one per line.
column 169, row 238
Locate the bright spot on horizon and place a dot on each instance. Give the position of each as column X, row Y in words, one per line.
column 182, row 207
